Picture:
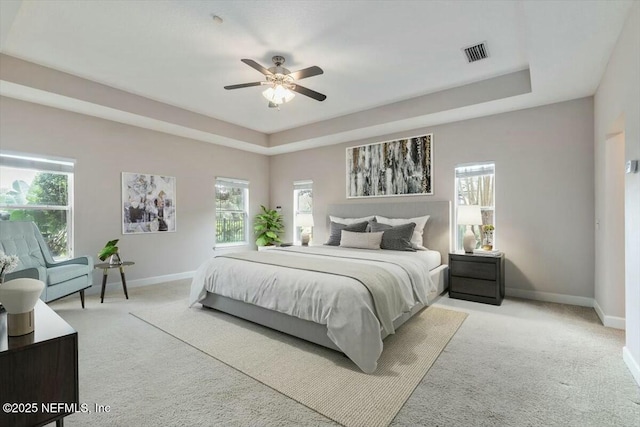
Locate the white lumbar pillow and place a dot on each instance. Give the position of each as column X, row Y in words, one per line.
column 416, row 238
column 351, row 239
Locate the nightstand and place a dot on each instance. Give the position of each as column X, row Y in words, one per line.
column 477, row 278
column 39, row 371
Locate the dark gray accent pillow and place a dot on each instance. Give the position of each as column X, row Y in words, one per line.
column 335, row 231
column 395, row 238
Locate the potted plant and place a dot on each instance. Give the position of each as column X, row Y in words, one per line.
column 110, row 251
column 487, row 237
column 268, row 226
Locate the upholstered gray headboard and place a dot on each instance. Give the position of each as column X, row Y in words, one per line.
column 437, row 235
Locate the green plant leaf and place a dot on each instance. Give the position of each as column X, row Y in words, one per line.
column 107, row 251
column 267, row 226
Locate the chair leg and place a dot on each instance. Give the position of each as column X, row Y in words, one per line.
column 82, row 298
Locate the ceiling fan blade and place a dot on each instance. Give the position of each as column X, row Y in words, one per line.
column 307, row 72
column 308, row 92
column 253, row 64
column 243, row 85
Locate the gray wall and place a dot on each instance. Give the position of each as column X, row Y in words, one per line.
column 617, row 111
column 544, row 190
column 103, row 150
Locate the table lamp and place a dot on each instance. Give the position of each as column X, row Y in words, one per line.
column 19, row 297
column 469, row 215
column 305, row 221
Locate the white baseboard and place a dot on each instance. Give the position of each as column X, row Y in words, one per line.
column 549, row 297
column 609, row 321
column 97, row 285
column 632, row 364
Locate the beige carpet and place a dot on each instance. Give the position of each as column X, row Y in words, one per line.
column 323, row 380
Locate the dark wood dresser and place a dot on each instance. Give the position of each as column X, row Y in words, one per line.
column 477, row 278
column 38, row 371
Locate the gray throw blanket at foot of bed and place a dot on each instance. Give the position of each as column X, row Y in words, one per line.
column 381, row 284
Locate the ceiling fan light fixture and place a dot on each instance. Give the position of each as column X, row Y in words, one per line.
column 278, row 94
column 281, row 83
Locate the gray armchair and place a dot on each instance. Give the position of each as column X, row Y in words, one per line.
column 23, row 239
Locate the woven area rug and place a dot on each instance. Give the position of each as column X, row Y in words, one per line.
column 321, row 379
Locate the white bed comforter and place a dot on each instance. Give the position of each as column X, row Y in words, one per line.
column 341, row 303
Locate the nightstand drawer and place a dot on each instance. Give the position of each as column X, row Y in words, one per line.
column 478, row 270
column 478, row 287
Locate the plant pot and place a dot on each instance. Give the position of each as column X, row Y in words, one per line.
column 487, row 240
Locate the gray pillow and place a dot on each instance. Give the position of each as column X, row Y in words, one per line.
column 335, row 231
column 395, row 238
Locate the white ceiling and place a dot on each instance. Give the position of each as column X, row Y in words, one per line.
column 372, row 53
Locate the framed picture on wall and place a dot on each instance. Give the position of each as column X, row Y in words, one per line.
column 148, row 203
column 403, row 167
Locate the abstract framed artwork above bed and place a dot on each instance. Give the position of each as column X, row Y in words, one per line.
column 402, row 167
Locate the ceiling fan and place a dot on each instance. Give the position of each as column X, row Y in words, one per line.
column 282, row 82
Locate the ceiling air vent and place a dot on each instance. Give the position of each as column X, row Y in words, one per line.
column 476, row 52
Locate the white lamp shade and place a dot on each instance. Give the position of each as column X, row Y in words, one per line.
column 304, row 220
column 20, row 295
column 469, row 215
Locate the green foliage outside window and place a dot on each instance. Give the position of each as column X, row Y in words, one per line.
column 230, row 214
column 46, row 189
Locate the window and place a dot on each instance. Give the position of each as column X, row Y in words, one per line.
column 232, row 211
column 302, row 208
column 475, row 185
column 39, row 190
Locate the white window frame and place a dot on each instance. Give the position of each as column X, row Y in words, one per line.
column 474, row 169
column 297, row 187
column 234, row 183
column 56, row 165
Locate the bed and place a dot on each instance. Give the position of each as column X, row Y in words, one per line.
column 316, row 293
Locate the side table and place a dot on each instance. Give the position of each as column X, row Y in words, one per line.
column 105, row 266
column 39, row 371
column 476, row 277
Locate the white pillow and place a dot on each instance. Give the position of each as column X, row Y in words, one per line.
column 349, row 221
column 416, row 239
column 351, row 239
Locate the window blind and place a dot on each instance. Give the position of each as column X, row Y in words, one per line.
column 475, row 170
column 16, row 160
column 232, row 182
column 303, row 185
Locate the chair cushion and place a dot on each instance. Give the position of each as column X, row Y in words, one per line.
column 63, row 273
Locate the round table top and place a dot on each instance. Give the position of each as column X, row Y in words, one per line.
column 107, row 265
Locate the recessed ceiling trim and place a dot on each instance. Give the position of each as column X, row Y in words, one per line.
column 48, row 80
column 37, row 96
column 505, row 86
